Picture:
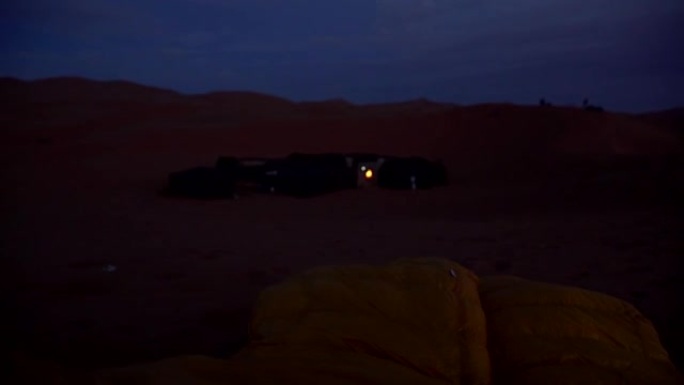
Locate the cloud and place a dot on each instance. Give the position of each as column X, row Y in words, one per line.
column 88, row 21
column 84, row 13
column 449, row 39
column 430, row 23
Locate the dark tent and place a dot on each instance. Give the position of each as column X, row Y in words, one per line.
column 308, row 174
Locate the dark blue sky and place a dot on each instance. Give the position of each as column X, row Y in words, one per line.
column 624, row 54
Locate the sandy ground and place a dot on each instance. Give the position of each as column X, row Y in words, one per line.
column 188, row 272
column 77, row 198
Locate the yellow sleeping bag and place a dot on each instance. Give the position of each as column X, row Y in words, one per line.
column 413, row 321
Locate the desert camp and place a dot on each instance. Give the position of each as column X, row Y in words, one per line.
column 305, row 175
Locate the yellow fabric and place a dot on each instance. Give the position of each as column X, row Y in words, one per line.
column 542, row 333
column 423, row 315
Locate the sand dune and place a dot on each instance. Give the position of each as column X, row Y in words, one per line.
column 80, row 109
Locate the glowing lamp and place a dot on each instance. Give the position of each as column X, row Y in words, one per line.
column 368, row 174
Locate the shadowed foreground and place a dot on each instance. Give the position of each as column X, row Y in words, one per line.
column 422, row 321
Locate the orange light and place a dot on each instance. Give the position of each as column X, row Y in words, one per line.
column 368, row 174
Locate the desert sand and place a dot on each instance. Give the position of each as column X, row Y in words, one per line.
column 101, row 270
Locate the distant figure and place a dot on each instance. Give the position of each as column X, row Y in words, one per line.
column 544, row 103
column 585, row 103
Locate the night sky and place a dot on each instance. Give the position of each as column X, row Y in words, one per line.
column 626, row 55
